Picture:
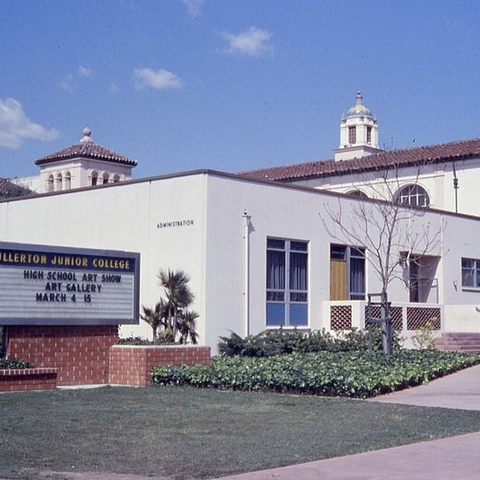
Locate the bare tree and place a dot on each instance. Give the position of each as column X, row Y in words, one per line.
column 389, row 230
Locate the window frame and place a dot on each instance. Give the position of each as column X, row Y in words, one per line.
column 352, row 134
column 413, row 195
column 473, row 271
column 286, row 296
column 351, row 255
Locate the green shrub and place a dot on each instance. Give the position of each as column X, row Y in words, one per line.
column 134, row 341
column 7, row 363
column 424, row 337
column 160, row 340
column 277, row 342
column 347, row 374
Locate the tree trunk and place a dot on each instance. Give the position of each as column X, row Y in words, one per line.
column 386, row 324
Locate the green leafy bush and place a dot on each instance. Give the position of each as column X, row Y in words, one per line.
column 135, row 341
column 11, row 363
column 277, row 342
column 347, row 374
column 424, row 337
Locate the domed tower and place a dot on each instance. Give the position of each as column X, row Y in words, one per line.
column 81, row 165
column 358, row 132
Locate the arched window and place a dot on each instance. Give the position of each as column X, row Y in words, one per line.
column 50, row 183
column 94, row 177
column 116, row 178
column 352, row 135
column 59, row 182
column 68, row 181
column 357, row 194
column 414, row 196
column 105, row 177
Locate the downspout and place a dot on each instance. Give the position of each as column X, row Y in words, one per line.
column 246, row 293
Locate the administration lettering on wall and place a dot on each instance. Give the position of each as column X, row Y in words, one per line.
column 43, row 285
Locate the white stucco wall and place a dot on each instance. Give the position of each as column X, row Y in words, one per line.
column 437, row 179
column 195, row 222
column 122, row 217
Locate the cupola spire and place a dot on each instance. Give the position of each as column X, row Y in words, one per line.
column 86, row 135
column 358, row 132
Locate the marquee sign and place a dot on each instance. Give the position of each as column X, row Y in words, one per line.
column 42, row 285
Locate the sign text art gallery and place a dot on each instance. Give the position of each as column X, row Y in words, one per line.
column 56, row 285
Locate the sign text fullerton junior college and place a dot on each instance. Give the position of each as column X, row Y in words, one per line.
column 56, row 285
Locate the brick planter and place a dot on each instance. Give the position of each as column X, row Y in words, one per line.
column 79, row 353
column 131, row 365
column 13, row 380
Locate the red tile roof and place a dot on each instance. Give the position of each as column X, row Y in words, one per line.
column 444, row 152
column 10, row 190
column 86, row 150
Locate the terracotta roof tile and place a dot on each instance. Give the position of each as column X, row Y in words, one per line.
column 10, row 190
column 453, row 151
column 86, row 150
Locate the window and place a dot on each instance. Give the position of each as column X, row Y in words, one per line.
column 347, row 273
column 59, row 182
column 105, row 178
column 414, row 196
column 369, row 134
column 50, row 183
column 287, row 282
column 358, row 194
column 470, row 272
column 94, row 178
column 352, row 135
column 68, row 181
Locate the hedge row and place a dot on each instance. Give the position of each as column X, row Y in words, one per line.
column 277, row 342
column 350, row 374
column 11, row 363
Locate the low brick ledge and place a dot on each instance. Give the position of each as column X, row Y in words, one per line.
column 132, row 364
column 21, row 379
column 13, row 372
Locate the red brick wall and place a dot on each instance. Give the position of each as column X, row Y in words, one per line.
column 131, row 365
column 28, row 379
column 79, row 353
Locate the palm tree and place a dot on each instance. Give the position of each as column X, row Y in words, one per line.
column 154, row 317
column 186, row 327
column 178, row 298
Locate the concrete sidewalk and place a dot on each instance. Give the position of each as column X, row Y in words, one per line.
column 445, row 459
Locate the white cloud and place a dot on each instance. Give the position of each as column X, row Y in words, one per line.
column 193, row 6
column 252, row 42
column 85, row 71
column 16, row 127
column 159, row 80
column 66, row 82
column 69, row 81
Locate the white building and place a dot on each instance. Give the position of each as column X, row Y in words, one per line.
column 262, row 248
column 259, row 258
column 444, row 176
column 82, row 164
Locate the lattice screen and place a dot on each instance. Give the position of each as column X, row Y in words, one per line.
column 419, row 317
column 395, row 312
column 340, row 317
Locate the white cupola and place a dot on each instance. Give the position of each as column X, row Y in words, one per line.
column 358, row 132
column 83, row 164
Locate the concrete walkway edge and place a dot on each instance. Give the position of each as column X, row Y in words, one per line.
column 443, row 459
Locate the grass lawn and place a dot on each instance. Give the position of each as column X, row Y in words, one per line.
column 189, row 433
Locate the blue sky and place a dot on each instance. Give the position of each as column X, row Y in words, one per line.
column 232, row 85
